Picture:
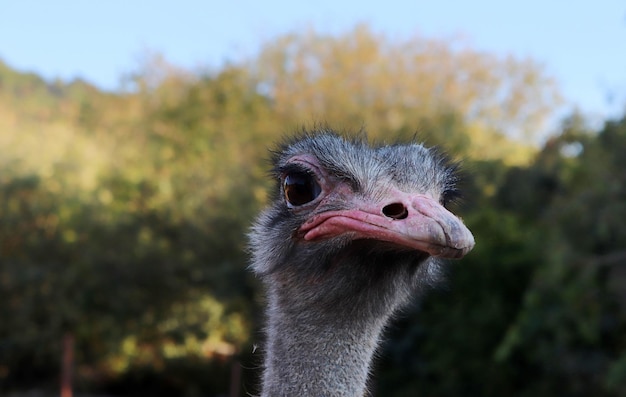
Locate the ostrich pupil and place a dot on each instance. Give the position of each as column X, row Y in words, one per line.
column 300, row 188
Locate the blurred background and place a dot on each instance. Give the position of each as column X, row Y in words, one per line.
column 133, row 147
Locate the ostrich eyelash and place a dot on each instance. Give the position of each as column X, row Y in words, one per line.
column 450, row 196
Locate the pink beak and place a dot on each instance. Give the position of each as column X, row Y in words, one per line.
column 414, row 221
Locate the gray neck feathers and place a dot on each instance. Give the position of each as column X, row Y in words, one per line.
column 323, row 330
column 309, row 355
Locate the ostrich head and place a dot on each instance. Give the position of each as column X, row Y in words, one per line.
column 352, row 234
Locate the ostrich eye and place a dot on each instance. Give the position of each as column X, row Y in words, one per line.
column 300, row 188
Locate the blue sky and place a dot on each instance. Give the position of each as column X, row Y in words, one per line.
column 581, row 43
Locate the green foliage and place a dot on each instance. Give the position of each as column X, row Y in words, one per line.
column 123, row 220
column 538, row 307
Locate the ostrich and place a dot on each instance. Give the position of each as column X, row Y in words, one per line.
column 353, row 233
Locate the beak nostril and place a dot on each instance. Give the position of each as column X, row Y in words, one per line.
column 395, row 211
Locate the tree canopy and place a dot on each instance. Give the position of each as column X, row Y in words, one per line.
column 123, row 219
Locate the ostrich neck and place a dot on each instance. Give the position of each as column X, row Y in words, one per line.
column 319, row 352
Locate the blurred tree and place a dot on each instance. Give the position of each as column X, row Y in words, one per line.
column 540, row 301
column 127, row 229
column 107, row 236
column 360, row 78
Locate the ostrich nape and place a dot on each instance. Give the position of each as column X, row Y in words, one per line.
column 353, row 233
